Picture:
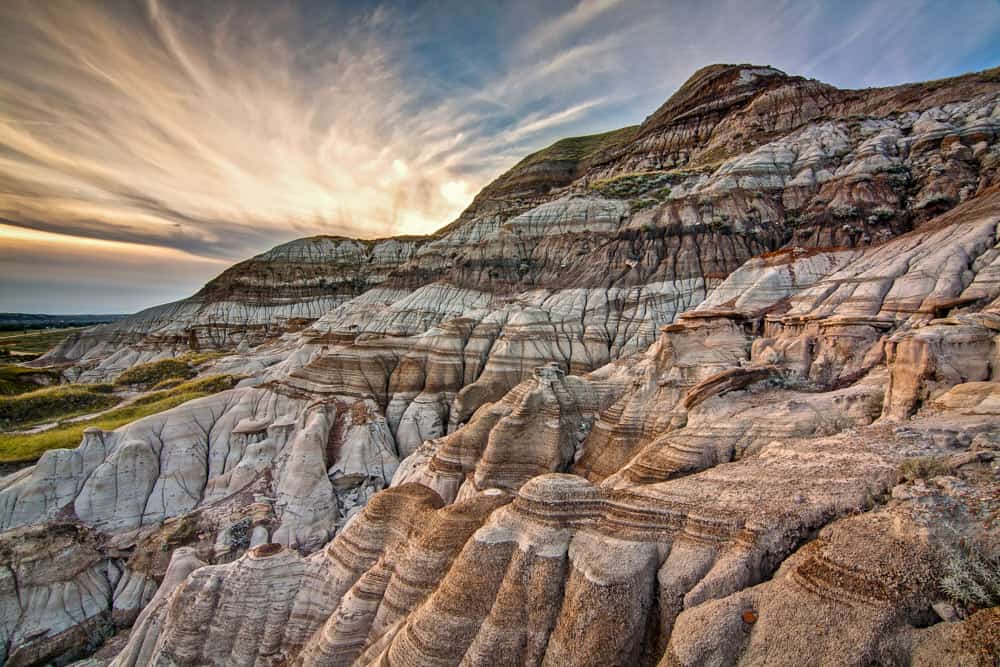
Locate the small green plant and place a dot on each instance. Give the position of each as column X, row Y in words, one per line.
column 971, row 577
column 873, row 404
column 844, row 212
column 883, row 213
column 924, row 467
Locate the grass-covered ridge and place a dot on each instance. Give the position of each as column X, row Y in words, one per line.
column 32, row 343
column 579, row 149
column 20, row 448
column 57, row 402
column 172, row 370
column 18, row 379
column 627, row 186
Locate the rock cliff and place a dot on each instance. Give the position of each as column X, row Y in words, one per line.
column 718, row 389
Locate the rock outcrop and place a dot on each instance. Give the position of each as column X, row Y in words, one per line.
column 717, row 389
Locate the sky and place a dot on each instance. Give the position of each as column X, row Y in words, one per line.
column 147, row 145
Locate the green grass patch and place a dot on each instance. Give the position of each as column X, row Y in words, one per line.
column 165, row 372
column 34, row 341
column 17, row 448
column 648, row 184
column 210, row 384
column 578, row 149
column 59, row 402
column 18, row 379
column 199, row 358
column 169, row 383
column 154, row 372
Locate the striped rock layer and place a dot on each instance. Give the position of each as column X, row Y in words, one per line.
column 650, row 400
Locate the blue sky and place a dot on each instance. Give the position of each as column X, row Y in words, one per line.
column 146, row 145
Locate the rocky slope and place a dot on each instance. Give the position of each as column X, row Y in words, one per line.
column 717, row 389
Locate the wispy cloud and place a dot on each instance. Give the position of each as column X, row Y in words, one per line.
column 566, row 25
column 538, row 122
column 170, row 127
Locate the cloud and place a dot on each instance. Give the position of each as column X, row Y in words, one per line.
column 195, row 132
column 55, row 273
column 565, row 25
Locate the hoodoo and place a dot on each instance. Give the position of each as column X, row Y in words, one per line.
column 719, row 389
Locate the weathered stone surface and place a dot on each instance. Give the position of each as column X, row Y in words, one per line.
column 663, row 396
column 56, row 589
column 569, row 572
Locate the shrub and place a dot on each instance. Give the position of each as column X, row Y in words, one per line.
column 843, row 212
column 873, row 404
column 924, row 467
column 883, row 213
column 971, row 578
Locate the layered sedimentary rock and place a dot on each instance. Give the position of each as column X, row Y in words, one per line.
column 656, row 397
column 642, row 223
column 203, row 452
column 572, row 573
column 280, row 290
column 661, row 560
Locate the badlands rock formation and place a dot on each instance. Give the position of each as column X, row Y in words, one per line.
column 718, row 389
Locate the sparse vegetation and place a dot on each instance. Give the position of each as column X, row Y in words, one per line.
column 180, row 532
column 18, row 379
column 636, row 205
column 210, row 384
column 924, row 467
column 169, row 383
column 31, row 343
column 164, row 371
column 15, row 447
column 62, row 401
column 844, row 212
column 971, row 578
column 577, row 149
column 873, row 404
column 882, row 213
column 646, row 184
column 154, row 372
